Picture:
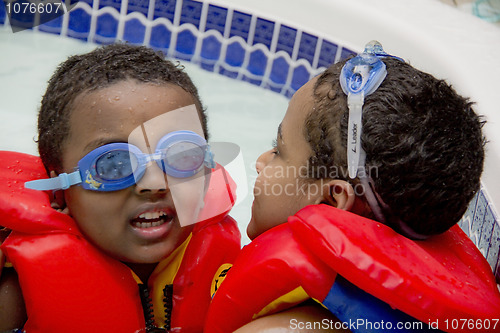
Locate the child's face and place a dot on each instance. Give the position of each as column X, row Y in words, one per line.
column 113, row 221
column 278, row 191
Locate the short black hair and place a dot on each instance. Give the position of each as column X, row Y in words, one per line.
column 423, row 142
column 98, row 69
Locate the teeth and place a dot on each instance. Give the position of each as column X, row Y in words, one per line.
column 156, row 219
column 148, row 224
column 152, row 215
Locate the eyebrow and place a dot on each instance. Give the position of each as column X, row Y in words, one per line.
column 279, row 140
column 101, row 142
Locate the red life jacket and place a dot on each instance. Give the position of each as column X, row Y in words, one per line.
column 442, row 281
column 70, row 286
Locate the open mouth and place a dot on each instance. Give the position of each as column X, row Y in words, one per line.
column 151, row 219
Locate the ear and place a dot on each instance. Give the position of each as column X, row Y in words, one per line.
column 338, row 193
column 57, row 200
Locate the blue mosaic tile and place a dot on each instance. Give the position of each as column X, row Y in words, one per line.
column 275, row 89
column 191, row 13
column 140, row 6
column 107, row 27
column 264, row 30
column 216, row 19
column 52, row 26
column 134, row 31
column 478, row 218
column 23, row 16
column 110, row 3
column 22, row 20
column 79, row 24
column 279, row 70
column 307, row 47
column 3, row 13
column 235, row 54
column 240, row 25
column 258, row 62
column 256, row 82
column 160, row 37
column 300, row 77
column 486, row 232
column 327, row 54
column 186, row 44
column 210, row 48
column 207, row 66
column 166, row 9
column 346, row 53
column 494, row 248
column 289, row 93
column 286, row 39
column 228, row 73
column 466, row 220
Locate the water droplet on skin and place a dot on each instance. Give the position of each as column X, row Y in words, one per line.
column 145, row 99
column 117, row 98
column 93, row 103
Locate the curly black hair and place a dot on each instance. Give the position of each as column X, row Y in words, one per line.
column 98, row 69
column 423, row 142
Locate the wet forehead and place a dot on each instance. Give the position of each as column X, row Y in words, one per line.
column 129, row 100
column 113, row 113
column 300, row 106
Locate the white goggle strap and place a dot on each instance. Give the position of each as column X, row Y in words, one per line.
column 355, row 103
column 61, row 182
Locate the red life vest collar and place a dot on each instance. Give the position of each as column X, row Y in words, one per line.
column 442, row 278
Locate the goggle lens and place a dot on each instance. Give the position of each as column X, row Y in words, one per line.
column 115, row 165
column 184, row 156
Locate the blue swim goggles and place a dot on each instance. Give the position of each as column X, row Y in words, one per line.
column 116, row 166
column 360, row 77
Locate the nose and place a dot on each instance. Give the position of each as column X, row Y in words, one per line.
column 153, row 182
column 262, row 160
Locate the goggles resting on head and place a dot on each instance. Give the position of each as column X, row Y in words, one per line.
column 116, row 166
column 361, row 76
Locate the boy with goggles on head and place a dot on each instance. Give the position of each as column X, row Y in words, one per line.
column 376, row 162
column 140, row 226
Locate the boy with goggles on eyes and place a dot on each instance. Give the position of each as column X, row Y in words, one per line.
column 141, row 224
column 376, row 162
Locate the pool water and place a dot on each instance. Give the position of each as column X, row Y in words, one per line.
column 237, row 111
